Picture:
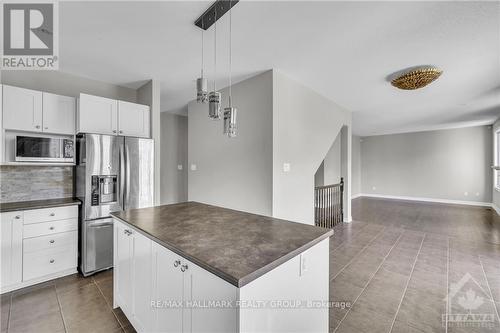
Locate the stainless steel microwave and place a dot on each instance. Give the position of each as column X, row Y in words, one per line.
column 44, row 149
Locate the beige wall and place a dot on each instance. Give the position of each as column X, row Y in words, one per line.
column 442, row 164
column 174, row 152
column 304, row 128
column 61, row 83
column 234, row 172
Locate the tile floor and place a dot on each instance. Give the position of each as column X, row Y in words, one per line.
column 392, row 270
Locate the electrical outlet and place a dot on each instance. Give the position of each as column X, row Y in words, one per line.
column 179, row 167
column 286, row 167
column 194, row 167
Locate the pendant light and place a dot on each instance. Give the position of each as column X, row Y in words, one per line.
column 202, row 82
column 214, row 97
column 230, row 112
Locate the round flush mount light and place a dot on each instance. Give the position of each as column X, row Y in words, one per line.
column 416, row 78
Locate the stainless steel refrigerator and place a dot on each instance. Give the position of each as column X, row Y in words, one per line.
column 113, row 173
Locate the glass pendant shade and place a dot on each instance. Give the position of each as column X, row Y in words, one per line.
column 202, row 90
column 214, row 111
column 230, row 121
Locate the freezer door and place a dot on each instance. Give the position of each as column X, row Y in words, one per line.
column 139, row 173
column 102, row 158
column 98, row 245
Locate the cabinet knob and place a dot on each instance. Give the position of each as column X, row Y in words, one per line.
column 114, row 131
column 51, row 241
column 127, row 232
column 51, row 228
column 120, row 132
column 37, row 126
column 184, row 268
column 177, row 263
column 46, row 128
column 52, row 261
column 18, row 217
column 52, row 214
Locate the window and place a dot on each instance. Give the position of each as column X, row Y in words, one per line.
column 497, row 160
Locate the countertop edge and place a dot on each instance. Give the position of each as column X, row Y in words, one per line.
column 40, row 206
column 238, row 283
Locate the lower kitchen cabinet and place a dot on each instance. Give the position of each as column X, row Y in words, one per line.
column 38, row 245
column 160, row 291
column 11, row 232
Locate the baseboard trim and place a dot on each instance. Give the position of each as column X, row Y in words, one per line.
column 356, row 196
column 446, row 201
column 32, row 282
column 496, row 208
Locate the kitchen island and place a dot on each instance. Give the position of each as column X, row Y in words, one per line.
column 193, row 267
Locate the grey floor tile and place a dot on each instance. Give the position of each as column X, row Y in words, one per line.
column 4, row 311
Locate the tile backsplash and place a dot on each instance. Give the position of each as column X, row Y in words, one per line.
column 24, row 183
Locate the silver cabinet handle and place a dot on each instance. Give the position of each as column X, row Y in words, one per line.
column 46, row 128
column 184, row 268
column 177, row 263
column 52, row 261
column 51, row 241
column 52, row 214
column 127, row 232
column 18, row 217
column 51, row 228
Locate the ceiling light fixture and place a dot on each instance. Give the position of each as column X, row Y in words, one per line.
column 417, row 78
column 214, row 97
column 202, row 82
column 230, row 112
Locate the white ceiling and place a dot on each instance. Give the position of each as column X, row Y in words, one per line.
column 343, row 50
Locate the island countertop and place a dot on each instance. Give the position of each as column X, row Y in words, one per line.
column 238, row 247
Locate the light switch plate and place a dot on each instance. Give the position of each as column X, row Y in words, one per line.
column 179, row 167
column 286, row 167
column 194, row 167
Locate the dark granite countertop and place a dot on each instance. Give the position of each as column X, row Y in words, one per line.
column 37, row 204
column 236, row 246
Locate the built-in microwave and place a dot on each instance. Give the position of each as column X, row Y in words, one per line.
column 44, row 149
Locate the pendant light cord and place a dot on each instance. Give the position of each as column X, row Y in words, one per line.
column 215, row 49
column 202, row 44
column 230, row 51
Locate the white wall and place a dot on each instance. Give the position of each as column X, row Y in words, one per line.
column 61, row 83
column 174, row 152
column 356, row 166
column 332, row 163
column 440, row 164
column 496, row 193
column 304, row 128
column 237, row 172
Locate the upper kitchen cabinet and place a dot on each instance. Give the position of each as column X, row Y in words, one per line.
column 102, row 115
column 36, row 111
column 59, row 114
column 97, row 115
column 22, row 109
column 133, row 119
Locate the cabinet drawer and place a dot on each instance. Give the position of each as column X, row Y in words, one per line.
column 49, row 228
column 49, row 241
column 41, row 263
column 50, row 214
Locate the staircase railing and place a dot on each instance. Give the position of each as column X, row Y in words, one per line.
column 328, row 204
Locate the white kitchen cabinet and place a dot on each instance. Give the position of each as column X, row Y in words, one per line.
column 133, row 285
column 59, row 114
column 22, row 109
column 133, row 119
column 168, row 286
column 201, row 286
column 11, row 230
column 97, row 115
